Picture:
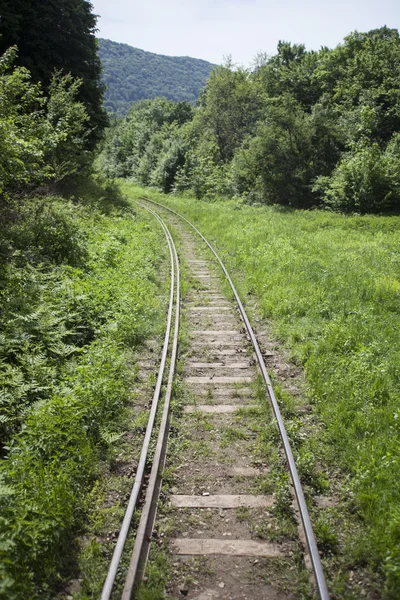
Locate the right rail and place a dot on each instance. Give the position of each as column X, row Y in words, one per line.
column 305, row 518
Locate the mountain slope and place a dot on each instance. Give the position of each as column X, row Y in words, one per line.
column 132, row 74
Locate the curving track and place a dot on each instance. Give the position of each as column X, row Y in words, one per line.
column 216, row 510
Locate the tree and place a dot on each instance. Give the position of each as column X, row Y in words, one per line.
column 40, row 138
column 135, row 145
column 366, row 180
column 22, row 127
column 65, row 151
column 301, row 129
column 57, row 35
column 292, row 147
column 230, row 106
column 290, row 71
column 364, row 71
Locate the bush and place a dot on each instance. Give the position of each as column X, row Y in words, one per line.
column 56, row 233
column 366, row 180
column 49, row 469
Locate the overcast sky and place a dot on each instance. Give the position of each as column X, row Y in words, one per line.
column 213, row 29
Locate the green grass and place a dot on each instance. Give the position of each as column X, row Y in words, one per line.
column 79, row 291
column 330, row 287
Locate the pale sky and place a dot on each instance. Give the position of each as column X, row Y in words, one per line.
column 215, row 29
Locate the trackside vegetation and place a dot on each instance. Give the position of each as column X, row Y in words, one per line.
column 79, row 291
column 329, row 286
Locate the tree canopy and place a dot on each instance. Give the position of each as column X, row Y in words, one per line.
column 302, row 129
column 41, row 138
column 57, row 35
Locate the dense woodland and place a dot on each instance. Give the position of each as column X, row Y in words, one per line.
column 131, row 74
column 301, row 129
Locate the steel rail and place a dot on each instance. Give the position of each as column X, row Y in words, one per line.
column 133, row 499
column 143, row 535
column 305, row 517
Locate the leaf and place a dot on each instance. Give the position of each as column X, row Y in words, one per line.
column 110, row 437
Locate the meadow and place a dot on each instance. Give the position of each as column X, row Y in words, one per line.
column 329, row 287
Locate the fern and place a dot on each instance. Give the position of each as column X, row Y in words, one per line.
column 5, row 489
column 110, row 437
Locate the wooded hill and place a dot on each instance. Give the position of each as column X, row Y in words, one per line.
column 302, row 129
column 132, row 74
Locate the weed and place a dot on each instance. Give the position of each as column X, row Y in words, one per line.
column 325, row 532
column 242, row 513
column 156, row 574
column 231, row 435
column 282, row 501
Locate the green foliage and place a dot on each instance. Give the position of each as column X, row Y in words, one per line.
column 290, row 71
column 40, row 138
column 78, row 291
column 51, row 229
column 67, row 118
column 363, row 72
column 230, row 106
column 202, row 173
column 279, row 164
column 172, row 157
column 228, row 111
column 58, row 35
column 149, row 145
column 302, row 129
column 22, row 126
column 131, row 75
column 365, row 180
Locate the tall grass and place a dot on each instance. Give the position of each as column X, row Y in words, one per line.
column 330, row 285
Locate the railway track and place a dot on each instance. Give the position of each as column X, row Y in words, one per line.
column 221, row 519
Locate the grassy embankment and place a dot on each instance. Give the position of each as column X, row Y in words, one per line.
column 79, row 291
column 330, row 287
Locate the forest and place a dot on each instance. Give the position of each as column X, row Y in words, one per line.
column 303, row 129
column 293, row 168
column 131, row 74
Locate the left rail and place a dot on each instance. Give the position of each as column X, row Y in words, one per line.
column 143, row 535
column 148, row 514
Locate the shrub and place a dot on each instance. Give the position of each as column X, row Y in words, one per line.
column 56, row 233
column 366, row 180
